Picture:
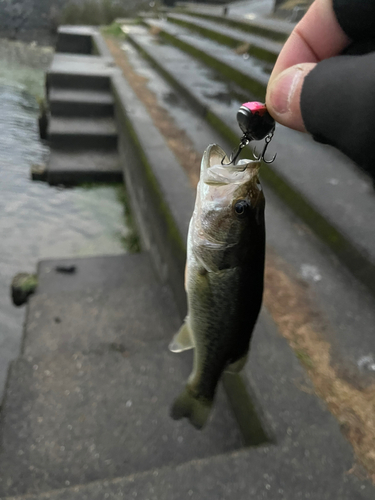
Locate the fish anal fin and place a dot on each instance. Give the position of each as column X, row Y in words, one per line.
column 186, row 405
column 237, row 366
column 183, row 340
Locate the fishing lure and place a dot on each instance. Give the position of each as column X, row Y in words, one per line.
column 256, row 124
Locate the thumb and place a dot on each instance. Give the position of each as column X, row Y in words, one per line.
column 284, row 93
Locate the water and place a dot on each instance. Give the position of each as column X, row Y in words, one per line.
column 38, row 221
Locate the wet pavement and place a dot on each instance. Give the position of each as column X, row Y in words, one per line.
column 39, row 221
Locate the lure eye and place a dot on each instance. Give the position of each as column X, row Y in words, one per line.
column 242, row 208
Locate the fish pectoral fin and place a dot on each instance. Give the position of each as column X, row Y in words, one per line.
column 237, row 366
column 183, row 340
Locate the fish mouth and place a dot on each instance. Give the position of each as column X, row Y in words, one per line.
column 215, row 170
column 215, row 156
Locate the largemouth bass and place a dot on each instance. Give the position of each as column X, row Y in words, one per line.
column 223, row 278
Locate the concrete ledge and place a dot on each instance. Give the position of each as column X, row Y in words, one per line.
column 247, row 76
column 160, row 195
column 79, row 166
column 258, row 47
column 276, row 32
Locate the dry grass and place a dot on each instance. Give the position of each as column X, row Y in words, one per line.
column 289, row 302
column 287, row 299
column 243, row 48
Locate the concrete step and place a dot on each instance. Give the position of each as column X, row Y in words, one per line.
column 310, row 458
column 72, row 71
column 89, row 398
column 71, row 133
column 75, row 39
column 130, row 313
column 82, row 103
column 274, row 29
column 73, row 417
column 324, row 188
column 259, row 47
column 79, row 166
column 250, row 74
column 108, row 271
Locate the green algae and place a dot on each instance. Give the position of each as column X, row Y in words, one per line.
column 131, row 240
column 304, row 358
column 113, row 29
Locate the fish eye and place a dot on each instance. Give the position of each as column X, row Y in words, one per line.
column 242, row 208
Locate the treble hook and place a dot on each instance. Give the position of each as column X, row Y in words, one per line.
column 261, row 156
column 233, row 157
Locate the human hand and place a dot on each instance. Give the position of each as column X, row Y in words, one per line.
column 316, row 37
column 313, row 88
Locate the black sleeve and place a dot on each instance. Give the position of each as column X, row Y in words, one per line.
column 356, row 17
column 338, row 96
column 338, row 106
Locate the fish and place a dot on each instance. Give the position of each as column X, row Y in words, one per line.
column 224, row 277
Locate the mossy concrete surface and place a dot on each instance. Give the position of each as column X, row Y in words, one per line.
column 236, row 39
column 233, row 67
column 251, row 27
column 23, row 285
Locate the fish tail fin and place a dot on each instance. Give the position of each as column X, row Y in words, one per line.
column 189, row 406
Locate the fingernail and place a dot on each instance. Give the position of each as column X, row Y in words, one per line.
column 283, row 88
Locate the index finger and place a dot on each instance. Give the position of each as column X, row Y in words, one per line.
column 316, row 37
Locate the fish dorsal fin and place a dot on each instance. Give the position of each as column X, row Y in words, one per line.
column 183, row 340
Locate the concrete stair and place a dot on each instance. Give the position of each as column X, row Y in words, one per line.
column 266, row 27
column 75, row 40
column 81, row 129
column 82, row 133
column 83, row 103
column 259, row 47
column 79, row 166
column 86, row 401
column 331, row 202
column 251, row 76
column 71, row 71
